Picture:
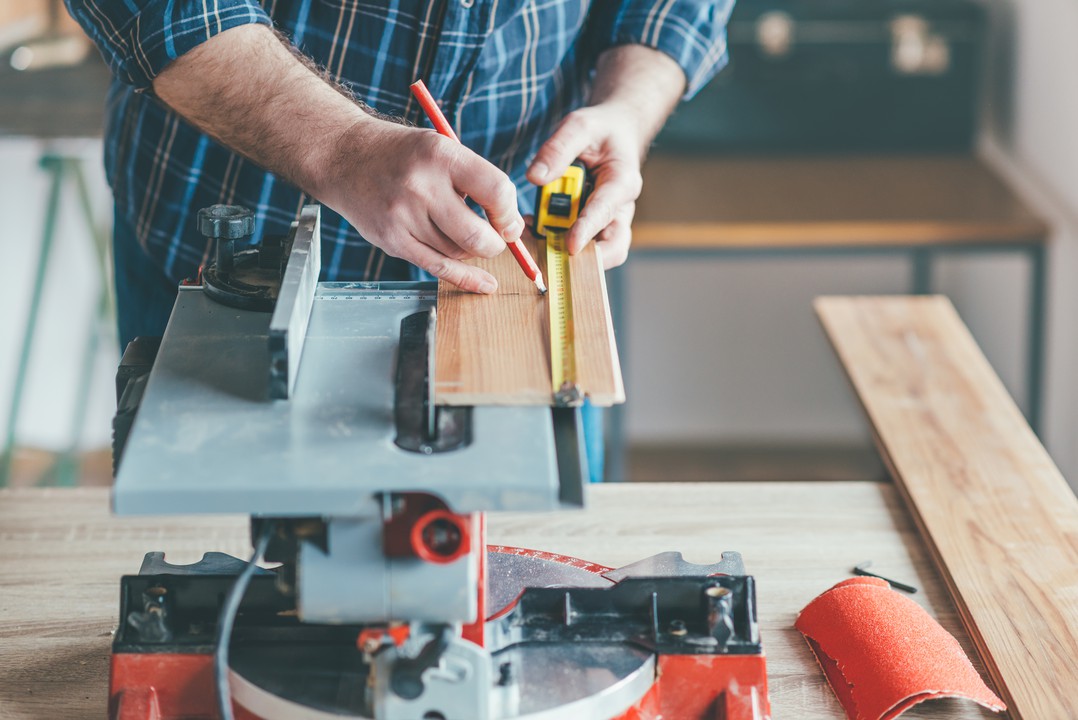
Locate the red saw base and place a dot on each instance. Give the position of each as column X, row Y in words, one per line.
column 178, row 686
column 688, row 687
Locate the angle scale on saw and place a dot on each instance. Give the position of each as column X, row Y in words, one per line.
column 386, row 602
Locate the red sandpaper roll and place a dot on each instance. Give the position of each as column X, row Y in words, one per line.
column 883, row 654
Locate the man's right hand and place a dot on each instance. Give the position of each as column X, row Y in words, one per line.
column 402, row 188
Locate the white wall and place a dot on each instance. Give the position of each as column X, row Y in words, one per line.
column 68, row 306
column 1032, row 134
column 731, row 350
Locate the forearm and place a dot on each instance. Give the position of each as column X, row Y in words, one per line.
column 644, row 82
column 248, row 90
column 401, row 188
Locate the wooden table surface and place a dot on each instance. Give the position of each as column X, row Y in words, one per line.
column 61, row 556
column 775, row 202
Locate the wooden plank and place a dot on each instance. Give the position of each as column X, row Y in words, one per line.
column 998, row 517
column 495, row 349
column 62, row 555
column 783, row 202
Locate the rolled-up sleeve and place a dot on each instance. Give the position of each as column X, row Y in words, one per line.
column 692, row 32
column 139, row 38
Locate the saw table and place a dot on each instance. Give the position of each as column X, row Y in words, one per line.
column 311, row 407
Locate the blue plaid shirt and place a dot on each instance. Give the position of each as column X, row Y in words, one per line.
column 505, row 71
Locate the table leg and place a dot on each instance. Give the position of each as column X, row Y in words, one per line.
column 615, row 427
column 921, row 282
column 1038, row 295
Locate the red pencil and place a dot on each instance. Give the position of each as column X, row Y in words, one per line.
column 437, row 119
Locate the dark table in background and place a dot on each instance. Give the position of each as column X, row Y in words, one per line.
column 53, row 103
column 920, row 208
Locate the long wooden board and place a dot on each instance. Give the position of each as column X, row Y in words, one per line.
column 997, row 516
column 495, row 349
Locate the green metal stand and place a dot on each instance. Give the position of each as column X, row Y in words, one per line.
column 64, row 471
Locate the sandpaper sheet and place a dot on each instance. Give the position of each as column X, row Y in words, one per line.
column 883, row 654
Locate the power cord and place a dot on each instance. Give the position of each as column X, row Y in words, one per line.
column 227, row 619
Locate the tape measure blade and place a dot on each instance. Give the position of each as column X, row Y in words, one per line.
column 562, row 339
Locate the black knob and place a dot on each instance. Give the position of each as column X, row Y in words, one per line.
column 226, row 222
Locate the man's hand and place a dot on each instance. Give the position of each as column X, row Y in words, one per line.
column 635, row 90
column 402, row 188
column 610, row 148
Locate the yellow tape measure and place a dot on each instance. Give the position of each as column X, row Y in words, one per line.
column 556, row 209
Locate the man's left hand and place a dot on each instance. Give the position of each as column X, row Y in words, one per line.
column 611, row 148
column 634, row 91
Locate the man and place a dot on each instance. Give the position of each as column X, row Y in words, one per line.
column 211, row 104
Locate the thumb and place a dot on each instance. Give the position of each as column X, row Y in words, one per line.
column 561, row 149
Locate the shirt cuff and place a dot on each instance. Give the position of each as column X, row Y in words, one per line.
column 692, row 33
column 139, row 45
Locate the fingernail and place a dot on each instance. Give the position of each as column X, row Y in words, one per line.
column 575, row 243
column 514, row 231
column 540, row 170
column 487, row 287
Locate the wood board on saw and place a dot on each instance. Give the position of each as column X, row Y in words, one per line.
column 495, row 349
column 993, row 509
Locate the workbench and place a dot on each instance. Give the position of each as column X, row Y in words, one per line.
column 61, row 556
column 917, row 208
column 977, row 516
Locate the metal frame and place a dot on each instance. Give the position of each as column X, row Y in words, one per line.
column 208, row 440
column 922, row 259
column 292, row 313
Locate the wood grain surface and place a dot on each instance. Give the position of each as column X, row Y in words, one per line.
column 998, row 517
column 62, row 554
column 707, row 202
column 495, row 349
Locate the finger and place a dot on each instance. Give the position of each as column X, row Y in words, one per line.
column 466, row 277
column 492, row 190
column 433, row 237
column 572, row 137
column 619, row 185
column 466, row 230
column 615, row 239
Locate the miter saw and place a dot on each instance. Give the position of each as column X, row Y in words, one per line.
column 309, row 407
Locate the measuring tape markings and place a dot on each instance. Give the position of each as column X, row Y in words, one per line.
column 562, row 338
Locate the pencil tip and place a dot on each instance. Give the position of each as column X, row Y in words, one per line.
column 540, row 284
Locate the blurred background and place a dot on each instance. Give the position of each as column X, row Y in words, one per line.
column 944, row 129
